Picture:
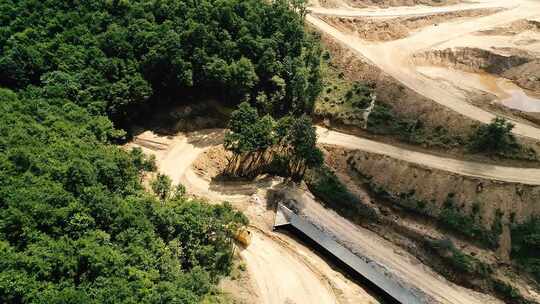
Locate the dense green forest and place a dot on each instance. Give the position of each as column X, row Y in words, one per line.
column 76, row 226
column 116, row 56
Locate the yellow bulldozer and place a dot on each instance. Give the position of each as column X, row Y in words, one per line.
column 243, row 236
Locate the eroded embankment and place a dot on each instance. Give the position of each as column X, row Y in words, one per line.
column 513, row 28
column 428, row 190
column 408, row 104
column 390, row 3
column 387, row 29
column 473, row 59
column 453, row 238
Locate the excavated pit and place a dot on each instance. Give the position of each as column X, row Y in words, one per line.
column 472, row 59
column 388, row 29
column 391, row 3
column 510, row 74
column 513, row 28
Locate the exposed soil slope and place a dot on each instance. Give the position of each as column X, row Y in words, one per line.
column 387, row 29
column 394, row 57
column 282, row 270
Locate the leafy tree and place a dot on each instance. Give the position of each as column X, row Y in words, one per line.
column 300, row 142
column 249, row 138
column 161, row 186
column 291, row 139
column 494, row 138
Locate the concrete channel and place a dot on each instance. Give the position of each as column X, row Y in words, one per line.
column 367, row 273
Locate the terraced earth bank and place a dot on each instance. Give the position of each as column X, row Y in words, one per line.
column 385, row 3
column 443, row 66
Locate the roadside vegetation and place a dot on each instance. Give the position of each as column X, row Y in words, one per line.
column 526, row 246
column 324, row 184
column 496, row 138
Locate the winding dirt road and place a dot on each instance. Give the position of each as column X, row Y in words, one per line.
column 283, row 274
column 281, row 269
column 528, row 176
column 287, row 272
column 394, row 57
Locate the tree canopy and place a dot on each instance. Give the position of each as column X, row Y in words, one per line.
column 495, row 137
column 76, row 225
column 260, row 141
column 113, row 57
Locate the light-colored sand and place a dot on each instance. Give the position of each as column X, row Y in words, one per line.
column 267, row 258
column 281, row 277
column 281, row 269
column 395, row 57
column 418, row 10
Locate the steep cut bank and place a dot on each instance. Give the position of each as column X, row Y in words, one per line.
column 513, row 28
column 473, row 59
column 390, row 3
column 388, row 29
column 430, row 189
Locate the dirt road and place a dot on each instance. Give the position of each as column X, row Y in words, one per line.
column 286, row 271
column 281, row 269
column 281, row 277
column 395, row 57
column 507, row 174
column 402, row 265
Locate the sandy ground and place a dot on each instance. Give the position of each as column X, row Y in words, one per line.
column 395, row 57
column 281, row 277
column 488, row 171
column 418, row 10
column 404, row 266
column 282, row 270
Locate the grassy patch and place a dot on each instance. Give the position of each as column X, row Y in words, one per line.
column 459, row 261
column 526, row 246
column 325, row 185
column 383, row 120
column 342, row 99
column 468, row 225
column 509, row 293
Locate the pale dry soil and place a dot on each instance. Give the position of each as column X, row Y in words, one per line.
column 282, row 270
column 396, row 57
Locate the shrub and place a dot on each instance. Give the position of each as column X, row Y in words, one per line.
column 326, row 186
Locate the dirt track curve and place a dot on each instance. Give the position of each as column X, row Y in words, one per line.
column 528, row 176
column 281, row 269
column 174, row 156
column 394, row 57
